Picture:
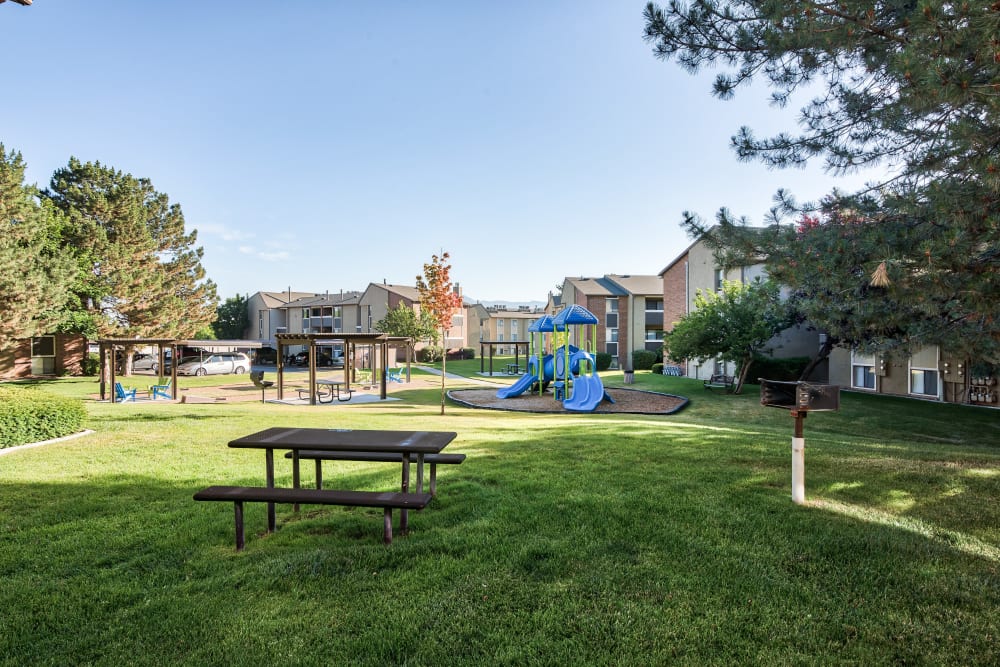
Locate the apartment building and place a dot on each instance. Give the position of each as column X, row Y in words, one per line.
column 696, row 269
column 629, row 308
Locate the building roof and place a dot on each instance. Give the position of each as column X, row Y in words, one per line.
column 405, row 291
column 595, row 286
column 636, row 284
column 343, row 298
column 618, row 285
column 279, row 299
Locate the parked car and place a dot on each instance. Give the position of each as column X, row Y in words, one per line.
column 219, row 363
column 322, row 359
column 148, row 362
column 145, row 362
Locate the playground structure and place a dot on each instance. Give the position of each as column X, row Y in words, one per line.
column 570, row 369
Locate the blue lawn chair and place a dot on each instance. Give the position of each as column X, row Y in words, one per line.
column 124, row 394
column 396, row 375
column 161, row 390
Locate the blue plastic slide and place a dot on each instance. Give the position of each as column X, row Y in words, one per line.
column 522, row 385
column 524, row 382
column 587, row 393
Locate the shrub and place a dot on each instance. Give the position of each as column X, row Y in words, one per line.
column 657, row 368
column 429, row 354
column 92, row 364
column 602, row 360
column 776, row 369
column 643, row 360
column 31, row 415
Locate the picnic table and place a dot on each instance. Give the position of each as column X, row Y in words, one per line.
column 411, row 445
column 329, row 390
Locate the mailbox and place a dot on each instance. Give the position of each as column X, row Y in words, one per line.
column 800, row 396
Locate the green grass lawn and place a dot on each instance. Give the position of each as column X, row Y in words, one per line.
column 562, row 539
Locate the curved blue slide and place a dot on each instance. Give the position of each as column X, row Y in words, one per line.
column 588, row 392
column 524, row 382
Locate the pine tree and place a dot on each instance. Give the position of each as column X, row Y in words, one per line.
column 911, row 86
column 439, row 301
column 35, row 274
column 140, row 273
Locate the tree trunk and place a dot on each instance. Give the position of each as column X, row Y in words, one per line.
column 444, row 363
column 823, row 353
column 742, row 376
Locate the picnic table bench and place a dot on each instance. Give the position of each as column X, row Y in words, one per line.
column 377, row 457
column 720, row 381
column 266, row 494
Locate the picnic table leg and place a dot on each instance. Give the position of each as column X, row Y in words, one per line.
column 271, row 517
column 296, row 480
column 403, row 514
column 319, row 473
column 420, row 473
column 387, row 533
column 240, row 541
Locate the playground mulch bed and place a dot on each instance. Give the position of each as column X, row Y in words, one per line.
column 627, row 401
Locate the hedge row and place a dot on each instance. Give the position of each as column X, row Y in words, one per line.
column 29, row 415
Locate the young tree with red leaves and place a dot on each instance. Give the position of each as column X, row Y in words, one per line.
column 439, row 300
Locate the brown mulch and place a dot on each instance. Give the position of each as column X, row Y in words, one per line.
column 627, row 401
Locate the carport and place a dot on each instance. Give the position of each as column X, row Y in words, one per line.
column 107, row 347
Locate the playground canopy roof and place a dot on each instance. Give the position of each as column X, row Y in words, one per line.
column 574, row 314
column 543, row 324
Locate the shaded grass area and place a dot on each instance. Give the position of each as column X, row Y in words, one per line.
column 562, row 539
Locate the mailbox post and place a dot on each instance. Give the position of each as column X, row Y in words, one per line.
column 799, row 398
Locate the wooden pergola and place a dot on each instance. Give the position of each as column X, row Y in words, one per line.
column 518, row 344
column 380, row 343
column 108, row 346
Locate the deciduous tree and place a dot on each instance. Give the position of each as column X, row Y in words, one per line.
column 36, row 275
column 908, row 86
column 231, row 319
column 439, row 301
column 732, row 325
column 404, row 321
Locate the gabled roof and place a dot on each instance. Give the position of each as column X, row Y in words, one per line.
column 280, row 299
column 347, row 298
column 594, row 286
column 618, row 285
column 405, row 291
column 636, row 284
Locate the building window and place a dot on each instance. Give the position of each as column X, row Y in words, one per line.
column 500, row 329
column 654, row 305
column 923, row 382
column 611, row 342
column 652, row 335
column 719, row 279
column 513, row 329
column 862, row 371
column 611, row 313
column 43, row 346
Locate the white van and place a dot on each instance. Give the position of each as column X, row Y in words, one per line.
column 218, row 363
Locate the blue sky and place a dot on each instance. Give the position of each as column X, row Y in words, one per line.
column 325, row 145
